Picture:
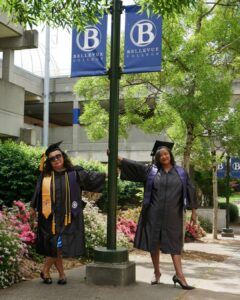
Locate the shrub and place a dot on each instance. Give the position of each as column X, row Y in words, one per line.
column 127, row 195
column 204, row 183
column 23, row 222
column 130, row 214
column 127, row 227
column 233, row 211
column 96, row 230
column 91, row 165
column 18, row 171
column 12, row 250
column 205, row 223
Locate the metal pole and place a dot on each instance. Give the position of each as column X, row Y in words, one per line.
column 114, row 76
column 46, row 88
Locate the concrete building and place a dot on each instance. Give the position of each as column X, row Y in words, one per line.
column 21, row 106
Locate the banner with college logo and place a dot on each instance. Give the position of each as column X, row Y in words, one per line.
column 89, row 50
column 221, row 170
column 235, row 167
column 143, row 41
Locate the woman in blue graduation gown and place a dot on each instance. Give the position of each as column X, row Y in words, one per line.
column 57, row 199
column 160, row 225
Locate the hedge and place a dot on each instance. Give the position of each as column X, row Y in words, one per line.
column 18, row 171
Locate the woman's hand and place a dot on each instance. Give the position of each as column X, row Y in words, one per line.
column 33, row 213
column 193, row 220
column 119, row 158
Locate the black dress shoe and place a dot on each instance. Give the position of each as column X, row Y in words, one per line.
column 46, row 280
column 184, row 287
column 62, row 281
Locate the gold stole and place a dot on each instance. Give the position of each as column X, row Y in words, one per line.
column 46, row 197
column 47, row 202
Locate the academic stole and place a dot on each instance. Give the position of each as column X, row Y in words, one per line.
column 47, row 200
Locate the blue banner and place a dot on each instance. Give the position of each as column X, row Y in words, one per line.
column 89, row 50
column 221, row 170
column 76, row 115
column 143, row 41
column 235, row 167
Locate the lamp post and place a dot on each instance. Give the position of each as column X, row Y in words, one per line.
column 111, row 265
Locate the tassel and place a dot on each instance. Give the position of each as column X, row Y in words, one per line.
column 42, row 162
column 53, row 226
column 65, row 220
column 69, row 218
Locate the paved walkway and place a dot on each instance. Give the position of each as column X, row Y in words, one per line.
column 213, row 280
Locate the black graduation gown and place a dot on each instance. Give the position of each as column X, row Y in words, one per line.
column 72, row 235
column 162, row 221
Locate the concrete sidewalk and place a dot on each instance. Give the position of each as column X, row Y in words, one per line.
column 213, row 280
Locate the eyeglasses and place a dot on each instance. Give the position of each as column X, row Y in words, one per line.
column 56, row 157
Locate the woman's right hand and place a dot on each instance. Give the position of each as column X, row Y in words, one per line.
column 33, row 213
column 119, row 158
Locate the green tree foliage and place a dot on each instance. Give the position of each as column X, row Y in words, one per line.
column 191, row 96
column 61, row 13
column 69, row 13
column 165, row 7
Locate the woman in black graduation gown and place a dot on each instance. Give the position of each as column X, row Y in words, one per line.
column 57, row 199
column 160, row 225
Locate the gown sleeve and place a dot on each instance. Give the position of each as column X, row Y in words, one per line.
column 35, row 197
column 192, row 195
column 91, row 181
column 133, row 171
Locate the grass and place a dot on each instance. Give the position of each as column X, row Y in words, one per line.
column 233, row 198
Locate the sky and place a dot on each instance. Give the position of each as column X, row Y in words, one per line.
column 32, row 60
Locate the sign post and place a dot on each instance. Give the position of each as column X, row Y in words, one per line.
column 111, row 265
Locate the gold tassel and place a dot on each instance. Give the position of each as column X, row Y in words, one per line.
column 69, row 218
column 54, row 200
column 42, row 162
column 65, row 220
column 53, row 225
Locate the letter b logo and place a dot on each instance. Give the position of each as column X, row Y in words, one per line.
column 89, row 39
column 236, row 166
column 143, row 33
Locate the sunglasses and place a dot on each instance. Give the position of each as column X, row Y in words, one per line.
column 56, row 157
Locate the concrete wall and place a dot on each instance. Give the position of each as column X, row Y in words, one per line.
column 137, row 146
column 207, row 213
column 61, row 89
column 11, row 108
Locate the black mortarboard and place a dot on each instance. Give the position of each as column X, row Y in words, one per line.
column 160, row 144
column 52, row 148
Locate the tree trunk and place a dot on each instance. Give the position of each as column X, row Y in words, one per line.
column 188, row 147
column 215, row 193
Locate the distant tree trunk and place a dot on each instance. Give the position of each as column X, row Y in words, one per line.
column 188, row 147
column 215, row 191
column 214, row 186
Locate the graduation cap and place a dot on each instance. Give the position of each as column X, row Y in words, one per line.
column 160, row 144
column 53, row 147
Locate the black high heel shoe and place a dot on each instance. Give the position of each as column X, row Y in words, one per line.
column 155, row 280
column 184, row 287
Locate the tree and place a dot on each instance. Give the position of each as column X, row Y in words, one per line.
column 73, row 13
column 61, row 13
column 194, row 88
